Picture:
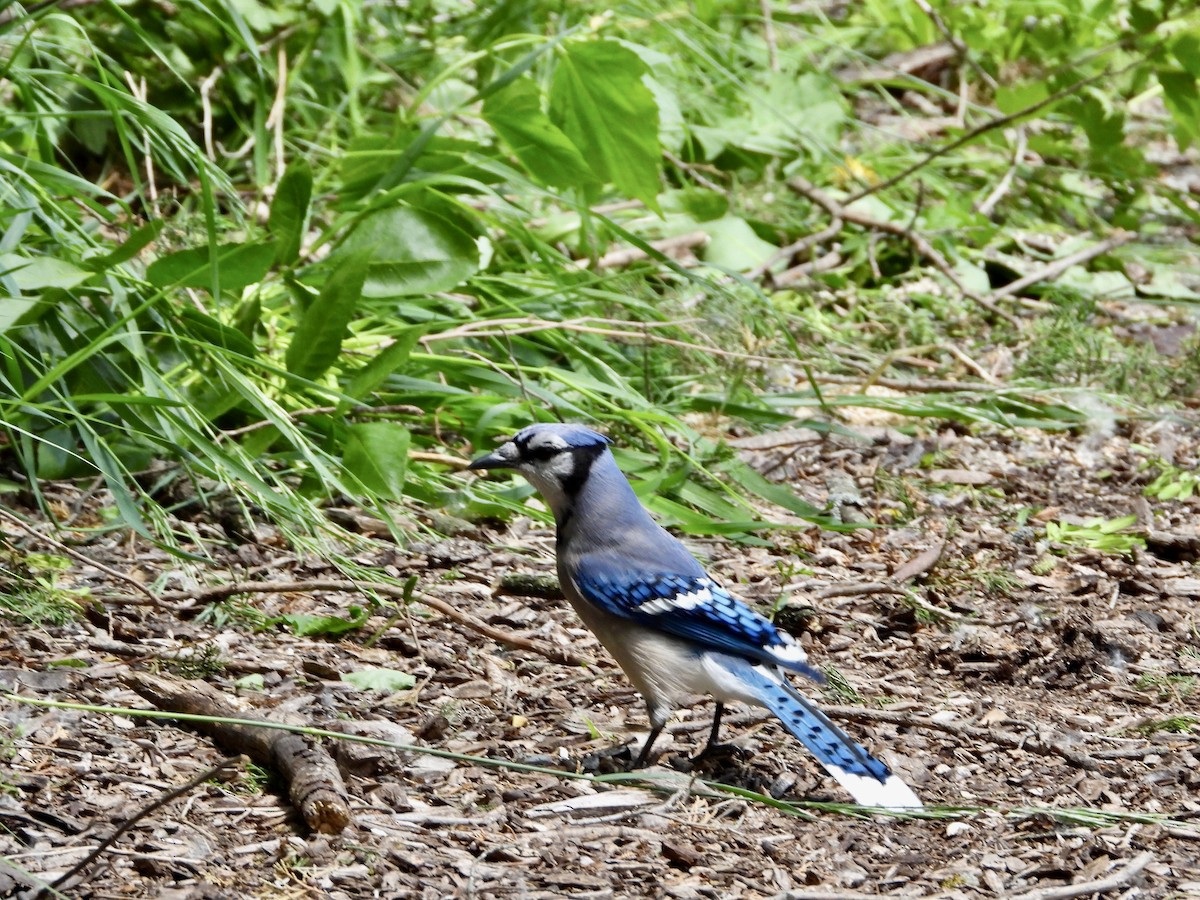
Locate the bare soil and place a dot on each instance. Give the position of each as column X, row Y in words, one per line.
column 1048, row 695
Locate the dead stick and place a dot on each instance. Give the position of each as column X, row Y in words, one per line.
column 137, row 817
column 223, row 591
column 920, row 243
column 1052, row 270
column 314, row 783
column 1116, row 880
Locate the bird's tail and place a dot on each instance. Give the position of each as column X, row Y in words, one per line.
column 870, row 782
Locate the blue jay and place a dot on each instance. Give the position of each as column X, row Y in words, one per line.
column 673, row 629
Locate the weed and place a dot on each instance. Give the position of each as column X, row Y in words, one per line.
column 30, row 588
column 839, row 689
column 1172, row 482
column 1181, row 724
column 1168, row 687
column 200, row 662
column 1105, row 535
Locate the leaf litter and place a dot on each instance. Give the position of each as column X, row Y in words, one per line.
column 1041, row 697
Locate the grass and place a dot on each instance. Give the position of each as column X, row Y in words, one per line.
column 193, row 276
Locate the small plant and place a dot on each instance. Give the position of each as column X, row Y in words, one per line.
column 1169, row 687
column 1105, row 535
column 234, row 613
column 839, row 689
column 1171, row 725
column 199, row 662
column 30, row 590
column 1172, row 483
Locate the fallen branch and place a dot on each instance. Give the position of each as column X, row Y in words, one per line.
column 162, row 801
column 314, row 783
column 1052, row 270
column 988, row 126
column 919, row 243
column 224, row 591
column 1118, row 879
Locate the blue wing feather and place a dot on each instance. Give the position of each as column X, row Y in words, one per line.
column 696, row 608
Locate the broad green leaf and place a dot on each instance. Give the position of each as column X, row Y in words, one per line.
column 289, row 211
column 385, row 681
column 1016, row 97
column 376, row 453
column 599, row 101
column 733, row 245
column 516, row 114
column 35, row 273
column 238, row 265
column 411, row 251
column 317, row 340
column 1186, row 48
column 309, row 626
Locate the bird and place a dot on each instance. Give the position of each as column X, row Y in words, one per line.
column 670, row 626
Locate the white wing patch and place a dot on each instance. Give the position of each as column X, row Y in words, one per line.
column 690, row 600
column 788, row 650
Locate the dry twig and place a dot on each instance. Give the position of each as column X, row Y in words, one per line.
column 919, row 242
column 162, row 801
column 314, row 783
column 1052, row 270
column 1118, row 879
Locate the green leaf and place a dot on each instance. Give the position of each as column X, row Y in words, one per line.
column 1022, row 95
column 1186, row 48
column 238, row 265
column 734, row 245
column 317, row 340
column 376, row 453
column 412, row 251
column 211, row 331
column 289, row 211
column 15, row 312
column 310, row 626
column 516, row 115
column 35, row 273
column 385, row 681
column 133, row 245
column 1183, row 100
column 599, row 101
column 374, row 373
column 252, row 682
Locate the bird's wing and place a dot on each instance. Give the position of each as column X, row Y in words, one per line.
column 693, row 607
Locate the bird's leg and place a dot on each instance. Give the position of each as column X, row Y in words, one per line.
column 655, row 731
column 716, row 727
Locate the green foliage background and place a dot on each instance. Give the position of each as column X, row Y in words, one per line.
column 300, row 249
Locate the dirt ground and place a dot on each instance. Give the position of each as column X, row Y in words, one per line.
column 1043, row 701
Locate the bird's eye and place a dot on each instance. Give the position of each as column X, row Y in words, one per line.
column 542, row 453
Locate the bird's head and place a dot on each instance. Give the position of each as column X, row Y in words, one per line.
column 555, row 458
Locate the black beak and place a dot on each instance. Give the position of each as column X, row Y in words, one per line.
column 503, row 458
